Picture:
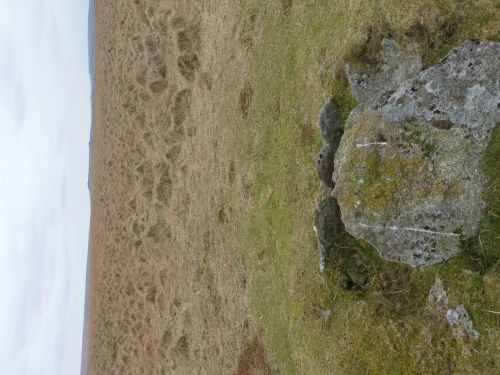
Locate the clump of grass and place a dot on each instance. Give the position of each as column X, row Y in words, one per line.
column 341, row 94
column 487, row 245
column 378, row 307
column 366, row 53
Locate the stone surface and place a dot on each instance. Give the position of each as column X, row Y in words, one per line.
column 328, row 227
column 325, row 315
column 460, row 320
column 409, row 181
column 331, row 130
column 325, row 164
column 406, row 189
column 437, row 299
column 372, row 87
column 462, row 91
column 330, row 125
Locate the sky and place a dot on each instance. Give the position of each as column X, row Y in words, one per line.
column 44, row 201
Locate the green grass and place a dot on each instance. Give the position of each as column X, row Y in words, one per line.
column 379, row 324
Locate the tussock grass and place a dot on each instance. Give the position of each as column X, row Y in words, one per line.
column 379, row 324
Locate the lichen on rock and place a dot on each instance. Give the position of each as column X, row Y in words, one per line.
column 462, row 91
column 325, row 164
column 328, row 227
column 407, row 174
column 437, row 300
column 406, row 189
column 461, row 323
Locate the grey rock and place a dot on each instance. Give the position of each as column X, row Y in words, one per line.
column 408, row 179
column 328, row 227
column 334, row 70
column 460, row 320
column 331, row 130
column 330, row 125
column 325, row 315
column 321, row 314
column 325, row 164
column 406, row 190
column 372, row 87
column 462, row 91
column 437, row 299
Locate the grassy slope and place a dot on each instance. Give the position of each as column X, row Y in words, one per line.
column 379, row 325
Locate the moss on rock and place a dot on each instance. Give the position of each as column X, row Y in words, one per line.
column 411, row 179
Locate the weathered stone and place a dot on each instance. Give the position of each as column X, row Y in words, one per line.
column 437, row 299
column 330, row 125
column 325, row 164
column 321, row 314
column 372, row 87
column 406, row 189
column 411, row 188
column 462, row 91
column 328, row 227
column 331, row 131
column 325, row 315
column 460, row 320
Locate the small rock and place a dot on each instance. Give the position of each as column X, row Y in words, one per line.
column 319, row 313
column 330, row 125
column 325, row 315
column 328, row 227
column 325, row 164
column 437, row 298
column 460, row 320
column 334, row 70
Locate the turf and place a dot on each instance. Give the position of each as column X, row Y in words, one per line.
column 379, row 323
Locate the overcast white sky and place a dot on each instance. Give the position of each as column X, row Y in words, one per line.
column 44, row 201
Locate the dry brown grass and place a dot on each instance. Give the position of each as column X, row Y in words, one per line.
column 168, row 283
column 245, row 99
column 253, row 360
